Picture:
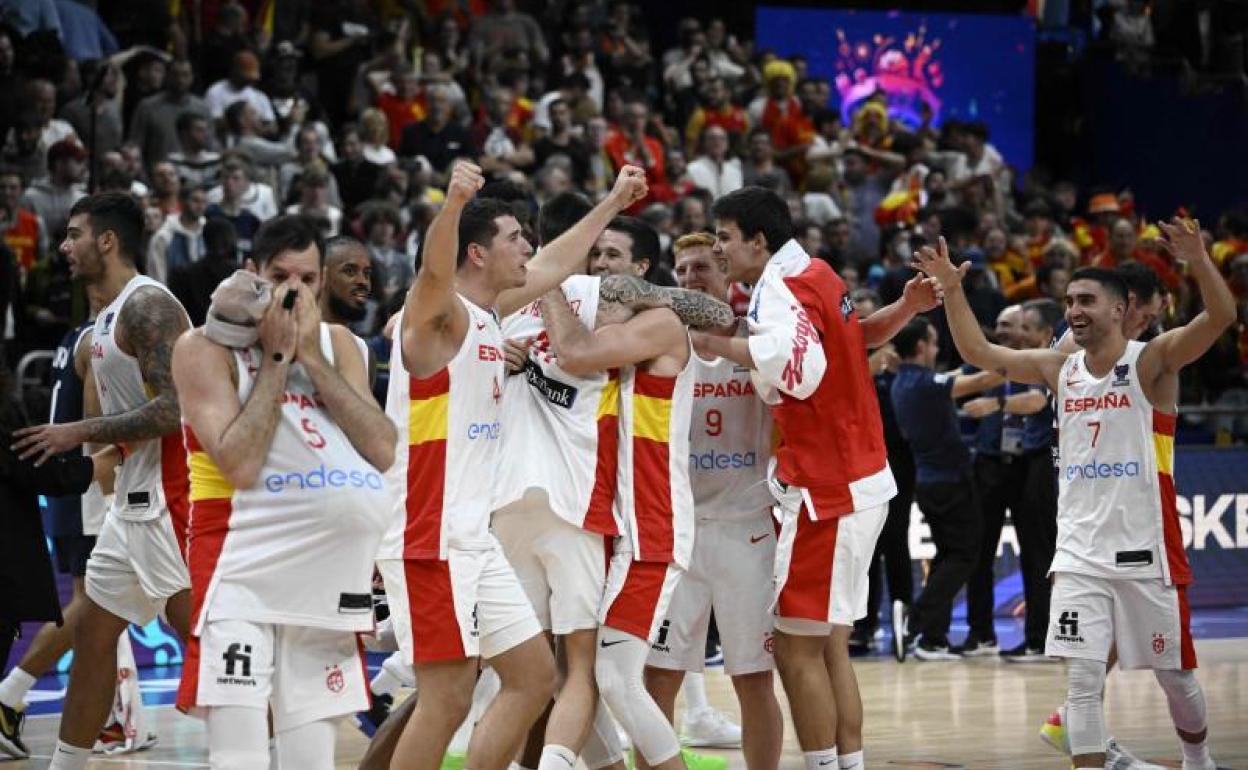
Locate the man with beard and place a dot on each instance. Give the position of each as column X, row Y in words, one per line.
column 1120, row 571
column 348, row 281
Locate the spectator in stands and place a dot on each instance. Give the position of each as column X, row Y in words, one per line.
column 629, row 144
column 357, row 178
column 104, row 101
column 717, row 109
column 342, row 40
column 375, row 135
column 22, row 229
column 179, row 241
column 437, row 138
column 560, row 141
column 231, row 204
column 154, row 126
column 863, row 191
column 402, row 99
column 393, row 270
column 504, row 29
column 193, row 283
column 244, row 126
column 977, row 159
column 165, row 188
column 781, row 113
column 53, row 196
column 760, row 168
column 226, row 38
column 714, row 170
column 308, row 152
column 818, row 204
column 500, row 147
column 258, row 197
column 314, row 199
column 198, row 164
column 23, row 153
column 41, row 101
column 240, row 86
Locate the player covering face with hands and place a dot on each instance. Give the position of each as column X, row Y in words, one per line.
column 1120, row 572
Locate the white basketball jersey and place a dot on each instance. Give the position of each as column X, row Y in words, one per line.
column 296, row 548
column 1117, row 515
column 654, row 501
column 562, row 430
column 447, row 460
column 153, row 477
column 730, row 443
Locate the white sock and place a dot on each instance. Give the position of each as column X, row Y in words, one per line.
column 14, row 688
column 68, row 757
column 823, row 759
column 556, row 757
column 694, row 690
column 384, row 683
column 1196, row 754
column 852, row 761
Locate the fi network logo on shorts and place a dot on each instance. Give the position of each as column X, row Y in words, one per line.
column 322, row 477
column 237, row 659
column 1068, row 628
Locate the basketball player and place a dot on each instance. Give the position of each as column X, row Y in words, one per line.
column 1120, row 573
column 288, row 507
column 653, row 505
column 808, row 354
column 348, row 281
column 453, row 597
column 136, row 569
column 74, row 522
column 558, row 513
column 734, row 548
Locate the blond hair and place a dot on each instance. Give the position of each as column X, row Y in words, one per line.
column 697, row 240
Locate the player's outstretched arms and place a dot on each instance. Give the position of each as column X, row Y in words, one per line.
column 1036, row 367
column 1177, row 348
column 695, row 309
column 566, row 254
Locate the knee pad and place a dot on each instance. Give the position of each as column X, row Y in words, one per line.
column 619, row 670
column 1185, row 697
column 1085, row 713
column 307, row 747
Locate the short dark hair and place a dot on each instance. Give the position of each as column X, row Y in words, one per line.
column 186, row 118
column 1141, row 280
column 1111, row 280
column 290, row 232
column 645, row 238
column 118, row 212
column 477, row 224
column 757, row 210
column 234, row 116
column 1049, row 311
column 220, row 237
column 906, row 342
column 559, row 214
column 343, row 242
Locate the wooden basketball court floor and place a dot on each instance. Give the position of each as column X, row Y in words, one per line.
column 974, row 714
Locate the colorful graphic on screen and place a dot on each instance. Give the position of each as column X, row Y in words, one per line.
column 968, row 67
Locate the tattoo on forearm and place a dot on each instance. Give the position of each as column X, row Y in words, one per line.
column 150, row 324
column 695, row 309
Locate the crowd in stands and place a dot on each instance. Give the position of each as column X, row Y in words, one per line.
column 352, row 112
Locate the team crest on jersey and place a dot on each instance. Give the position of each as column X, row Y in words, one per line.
column 108, row 323
column 758, row 300
column 334, row 680
column 1159, row 644
column 847, row 307
column 1120, row 374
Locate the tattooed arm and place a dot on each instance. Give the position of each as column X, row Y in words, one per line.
column 149, row 324
column 694, row 308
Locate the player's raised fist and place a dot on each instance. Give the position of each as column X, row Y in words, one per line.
column 630, row 186
column 466, row 180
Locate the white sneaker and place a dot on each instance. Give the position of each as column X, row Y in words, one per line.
column 1118, row 758
column 710, row 727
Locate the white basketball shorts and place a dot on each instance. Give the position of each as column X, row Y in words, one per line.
column 302, row 674
column 730, row 572
column 1147, row 620
column 135, row 567
column 561, row 567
